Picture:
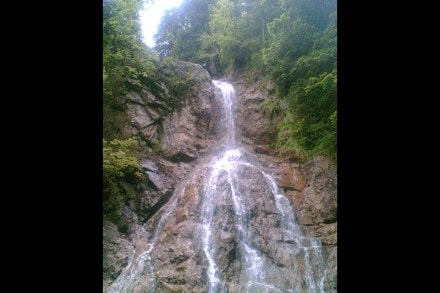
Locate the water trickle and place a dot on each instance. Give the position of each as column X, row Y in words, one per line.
column 130, row 278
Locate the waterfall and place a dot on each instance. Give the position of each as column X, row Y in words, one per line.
column 229, row 161
column 232, row 218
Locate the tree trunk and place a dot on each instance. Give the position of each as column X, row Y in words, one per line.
column 212, row 68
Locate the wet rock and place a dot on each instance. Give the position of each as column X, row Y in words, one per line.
column 254, row 125
column 158, row 102
column 185, row 131
column 145, row 112
column 330, row 285
column 153, row 113
column 149, row 165
column 177, row 259
column 149, row 199
column 135, row 97
column 154, row 175
column 116, row 252
column 290, row 177
column 320, row 204
column 139, row 115
column 183, row 136
column 156, row 180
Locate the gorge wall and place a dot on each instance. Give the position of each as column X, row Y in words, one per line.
column 185, row 134
column 311, row 186
column 174, row 136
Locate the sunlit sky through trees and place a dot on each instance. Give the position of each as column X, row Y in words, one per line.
column 151, row 15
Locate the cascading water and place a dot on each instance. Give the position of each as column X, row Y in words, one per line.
column 246, row 229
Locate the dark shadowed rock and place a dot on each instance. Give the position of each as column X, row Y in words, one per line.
column 116, row 251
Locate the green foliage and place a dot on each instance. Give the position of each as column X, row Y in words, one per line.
column 179, row 32
column 125, row 57
column 156, row 147
column 313, row 64
column 227, row 32
column 311, row 122
column 272, row 107
column 236, row 33
column 119, row 160
column 291, row 42
column 291, row 39
column 127, row 63
column 301, row 59
column 219, row 40
column 179, row 79
column 114, row 119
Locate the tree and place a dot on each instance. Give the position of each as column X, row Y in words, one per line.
column 119, row 160
column 293, row 42
column 179, row 32
column 127, row 61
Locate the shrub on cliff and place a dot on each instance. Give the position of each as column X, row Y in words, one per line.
column 119, row 162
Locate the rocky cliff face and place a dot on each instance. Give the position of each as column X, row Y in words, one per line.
column 311, row 187
column 179, row 134
column 179, row 261
column 256, row 128
column 185, row 135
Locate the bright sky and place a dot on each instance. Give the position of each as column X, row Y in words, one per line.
column 151, row 15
